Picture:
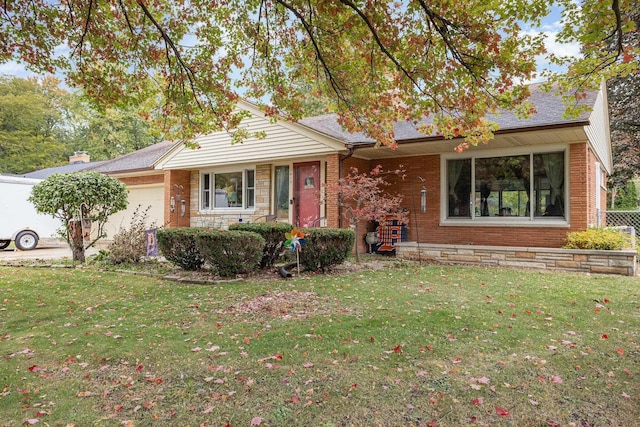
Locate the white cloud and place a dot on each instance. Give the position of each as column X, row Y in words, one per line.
column 550, row 32
column 14, row 68
column 571, row 50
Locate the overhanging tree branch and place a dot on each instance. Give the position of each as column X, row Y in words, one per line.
column 319, row 55
column 85, row 30
column 381, row 46
column 617, row 31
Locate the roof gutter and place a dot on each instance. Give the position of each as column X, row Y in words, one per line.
column 436, row 138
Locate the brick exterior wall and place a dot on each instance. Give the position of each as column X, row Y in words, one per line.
column 592, row 219
column 420, row 171
column 143, row 180
column 332, row 211
column 427, row 168
column 579, row 179
column 426, row 228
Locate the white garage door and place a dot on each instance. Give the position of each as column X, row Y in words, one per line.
column 139, row 195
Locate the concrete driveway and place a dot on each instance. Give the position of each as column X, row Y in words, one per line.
column 46, row 249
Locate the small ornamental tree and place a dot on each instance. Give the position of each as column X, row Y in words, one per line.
column 77, row 198
column 362, row 198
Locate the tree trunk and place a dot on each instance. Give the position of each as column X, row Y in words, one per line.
column 613, row 198
column 356, row 228
column 76, row 242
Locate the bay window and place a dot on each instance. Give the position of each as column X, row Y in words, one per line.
column 525, row 186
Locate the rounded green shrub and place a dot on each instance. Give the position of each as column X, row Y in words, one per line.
column 178, row 245
column 231, row 252
column 326, row 247
column 273, row 234
column 599, row 239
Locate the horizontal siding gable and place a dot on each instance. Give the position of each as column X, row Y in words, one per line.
column 598, row 130
column 283, row 141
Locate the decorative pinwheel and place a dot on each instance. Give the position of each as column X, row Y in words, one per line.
column 295, row 239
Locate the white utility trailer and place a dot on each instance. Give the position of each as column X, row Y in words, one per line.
column 19, row 220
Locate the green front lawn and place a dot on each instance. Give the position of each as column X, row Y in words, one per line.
column 421, row 346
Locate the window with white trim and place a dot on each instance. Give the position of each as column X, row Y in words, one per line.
column 530, row 186
column 227, row 190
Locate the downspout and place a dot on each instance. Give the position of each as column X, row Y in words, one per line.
column 340, row 161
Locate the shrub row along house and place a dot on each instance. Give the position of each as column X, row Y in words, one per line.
column 537, row 180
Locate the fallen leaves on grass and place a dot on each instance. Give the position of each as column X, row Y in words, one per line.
column 286, row 305
column 502, row 412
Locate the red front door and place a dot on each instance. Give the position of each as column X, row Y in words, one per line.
column 306, row 193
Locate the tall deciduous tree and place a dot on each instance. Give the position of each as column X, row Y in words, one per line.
column 380, row 61
column 30, row 124
column 624, row 113
column 105, row 133
column 607, row 32
column 80, row 200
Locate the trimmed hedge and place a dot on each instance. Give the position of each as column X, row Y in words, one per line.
column 599, row 239
column 326, row 247
column 231, row 252
column 178, row 245
column 240, row 251
column 273, row 234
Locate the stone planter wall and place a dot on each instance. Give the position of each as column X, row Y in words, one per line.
column 588, row 261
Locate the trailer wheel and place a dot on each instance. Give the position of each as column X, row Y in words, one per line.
column 26, row 240
column 4, row 243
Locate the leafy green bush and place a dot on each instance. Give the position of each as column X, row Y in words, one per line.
column 326, row 247
column 626, row 197
column 598, row 238
column 178, row 245
column 273, row 234
column 231, row 252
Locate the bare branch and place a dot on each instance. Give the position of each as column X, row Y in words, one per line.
column 442, row 26
column 316, row 47
column 85, row 30
column 383, row 48
column 617, row 31
column 126, row 17
column 174, row 49
column 71, row 19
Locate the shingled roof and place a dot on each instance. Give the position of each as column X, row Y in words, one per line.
column 550, row 112
column 68, row 168
column 143, row 159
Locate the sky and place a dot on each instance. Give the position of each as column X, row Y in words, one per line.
column 551, row 25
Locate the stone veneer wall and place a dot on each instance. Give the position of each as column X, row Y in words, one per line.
column 580, row 260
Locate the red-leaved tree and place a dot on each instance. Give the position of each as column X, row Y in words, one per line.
column 362, row 198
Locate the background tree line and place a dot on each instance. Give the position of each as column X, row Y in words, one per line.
column 41, row 124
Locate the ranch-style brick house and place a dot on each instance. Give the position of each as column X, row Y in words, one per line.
column 538, row 179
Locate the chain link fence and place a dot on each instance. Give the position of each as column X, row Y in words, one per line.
column 620, row 219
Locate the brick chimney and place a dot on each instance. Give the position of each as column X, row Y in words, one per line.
column 79, row 157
